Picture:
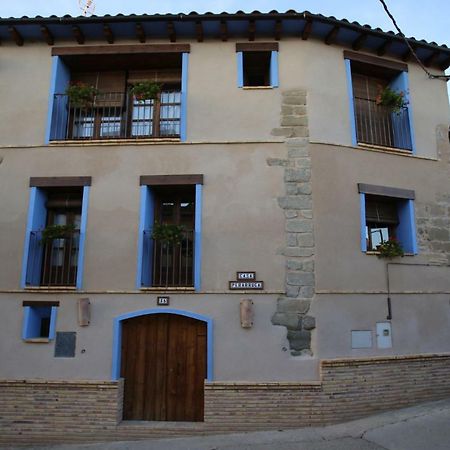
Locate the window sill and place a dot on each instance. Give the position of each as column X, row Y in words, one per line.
column 255, row 88
column 50, row 288
column 381, row 148
column 372, row 252
column 168, row 289
column 37, row 340
column 90, row 142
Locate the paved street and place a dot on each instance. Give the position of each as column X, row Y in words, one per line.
column 416, row 428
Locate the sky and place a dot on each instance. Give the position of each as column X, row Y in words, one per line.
column 424, row 20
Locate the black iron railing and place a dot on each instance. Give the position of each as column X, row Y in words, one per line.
column 53, row 262
column 168, row 264
column 380, row 125
column 116, row 115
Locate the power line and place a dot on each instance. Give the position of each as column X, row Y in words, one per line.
column 430, row 75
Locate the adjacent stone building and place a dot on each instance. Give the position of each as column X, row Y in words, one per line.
column 195, row 211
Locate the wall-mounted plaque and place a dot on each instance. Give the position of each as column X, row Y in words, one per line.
column 246, row 285
column 245, row 275
column 163, row 301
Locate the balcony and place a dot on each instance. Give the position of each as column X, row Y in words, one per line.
column 379, row 125
column 53, row 262
column 117, row 115
column 169, row 264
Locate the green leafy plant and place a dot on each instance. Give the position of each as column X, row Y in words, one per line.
column 393, row 100
column 146, row 90
column 81, row 94
column 167, row 233
column 51, row 232
column 390, row 249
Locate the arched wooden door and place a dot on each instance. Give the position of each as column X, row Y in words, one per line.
column 164, row 366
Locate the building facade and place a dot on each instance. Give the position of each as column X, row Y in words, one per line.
column 210, row 253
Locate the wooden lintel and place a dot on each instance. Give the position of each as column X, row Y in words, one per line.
column 121, row 49
column 17, row 37
column 383, row 48
column 223, row 30
column 278, row 30
column 251, row 30
column 257, row 46
column 359, row 41
column 307, row 29
column 331, row 36
column 60, row 181
column 375, row 60
column 431, row 59
column 199, row 31
column 140, row 33
column 107, row 32
column 171, row 32
column 78, row 34
column 48, row 37
column 159, row 180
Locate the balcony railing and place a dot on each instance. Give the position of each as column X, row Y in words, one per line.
column 379, row 125
column 117, row 115
column 169, row 264
column 53, row 262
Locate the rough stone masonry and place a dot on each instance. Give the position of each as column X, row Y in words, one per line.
column 292, row 309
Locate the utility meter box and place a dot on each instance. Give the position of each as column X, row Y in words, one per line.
column 384, row 335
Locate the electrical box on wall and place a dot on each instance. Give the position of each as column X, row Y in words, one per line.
column 384, row 335
column 361, row 339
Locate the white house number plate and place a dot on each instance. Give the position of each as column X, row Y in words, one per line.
column 162, row 301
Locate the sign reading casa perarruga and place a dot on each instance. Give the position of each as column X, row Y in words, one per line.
column 246, row 281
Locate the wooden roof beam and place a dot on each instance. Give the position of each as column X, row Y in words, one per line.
column 445, row 64
column 383, row 48
column 171, row 32
column 223, row 30
column 432, row 59
column 408, row 54
column 48, row 37
column 330, row 38
column 359, row 42
column 278, row 30
column 107, row 32
column 307, row 29
column 16, row 36
column 78, row 34
column 199, row 31
column 251, row 30
column 140, row 33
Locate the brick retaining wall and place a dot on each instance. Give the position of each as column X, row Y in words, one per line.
column 53, row 411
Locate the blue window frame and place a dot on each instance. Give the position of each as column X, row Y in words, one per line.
column 64, row 255
column 39, row 320
column 372, row 122
column 387, row 213
column 153, row 260
column 257, row 64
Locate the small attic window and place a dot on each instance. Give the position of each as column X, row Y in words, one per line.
column 256, row 68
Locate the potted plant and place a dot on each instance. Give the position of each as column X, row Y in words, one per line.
column 81, row 94
column 394, row 100
column 146, row 90
column 390, row 249
column 51, row 232
column 167, row 233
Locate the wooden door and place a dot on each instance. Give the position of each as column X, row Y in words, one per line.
column 164, row 367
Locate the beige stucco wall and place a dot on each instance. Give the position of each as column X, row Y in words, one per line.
column 217, row 109
column 242, row 225
column 241, row 354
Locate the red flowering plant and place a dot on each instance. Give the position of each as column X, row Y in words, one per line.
column 146, row 90
column 81, row 95
column 390, row 249
column 394, row 100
